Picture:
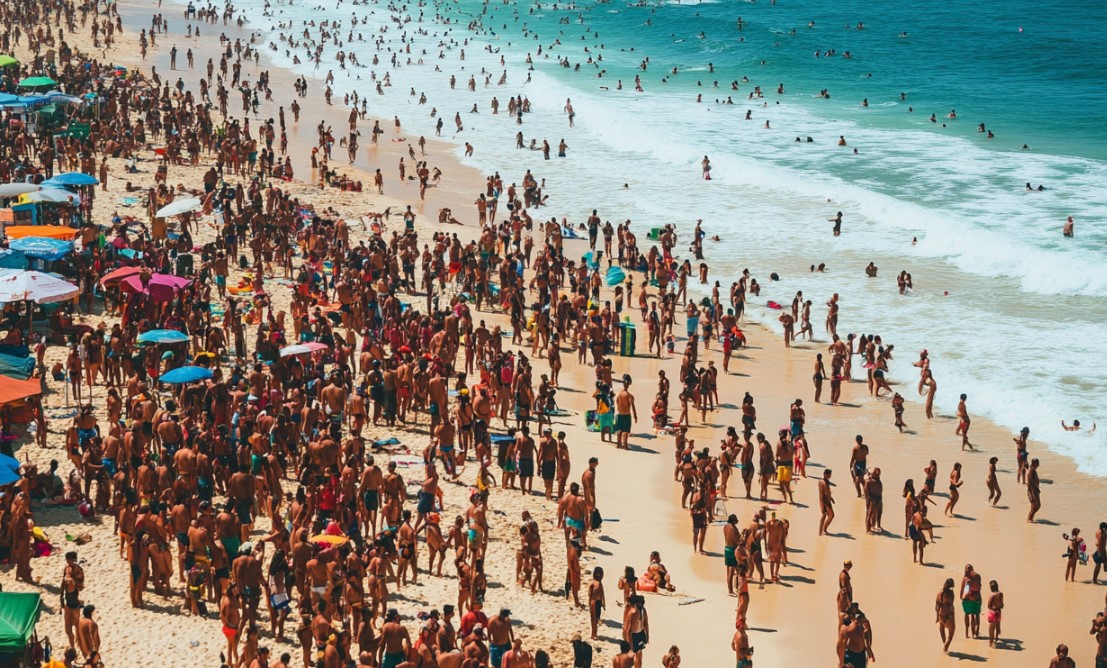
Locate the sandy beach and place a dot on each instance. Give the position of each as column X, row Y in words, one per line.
column 793, row 622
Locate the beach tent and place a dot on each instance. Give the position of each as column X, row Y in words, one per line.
column 46, row 231
column 42, row 248
column 18, row 616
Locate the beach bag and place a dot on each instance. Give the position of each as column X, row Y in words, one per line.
column 596, row 521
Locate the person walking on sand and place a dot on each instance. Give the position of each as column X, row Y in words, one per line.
column 955, row 483
column 1076, row 546
column 944, row 615
column 963, row 423
column 994, row 492
column 1033, row 490
column 995, row 613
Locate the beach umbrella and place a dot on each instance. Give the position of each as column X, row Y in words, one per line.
column 51, row 196
column 17, row 189
column 162, row 336
column 303, row 348
column 37, row 82
column 72, row 179
column 615, row 276
column 328, row 539
column 9, row 462
column 44, row 231
column 20, row 284
column 42, row 247
column 117, row 275
column 179, row 206
column 7, row 61
column 186, row 374
column 8, row 476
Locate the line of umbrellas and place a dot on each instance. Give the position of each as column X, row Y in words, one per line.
column 192, row 374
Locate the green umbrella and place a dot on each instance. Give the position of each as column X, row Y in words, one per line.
column 37, row 82
column 6, row 60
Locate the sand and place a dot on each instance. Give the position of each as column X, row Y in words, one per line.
column 791, row 624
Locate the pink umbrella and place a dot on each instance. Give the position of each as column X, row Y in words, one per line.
column 160, row 287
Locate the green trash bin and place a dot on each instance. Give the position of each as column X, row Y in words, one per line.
column 628, row 339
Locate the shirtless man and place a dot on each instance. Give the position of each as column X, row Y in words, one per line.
column 625, row 410
column 732, row 536
column 857, row 459
column 826, row 503
column 395, row 642
column 1033, row 490
column 1099, row 556
column 854, row 640
column 88, row 634
column 740, row 643
column 1062, row 659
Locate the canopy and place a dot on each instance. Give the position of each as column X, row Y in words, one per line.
column 116, row 275
column 185, row 374
column 17, row 189
column 179, row 206
column 18, row 615
column 46, row 231
column 12, row 259
column 162, row 336
column 20, row 284
column 12, row 389
column 7, row 100
column 51, row 196
column 302, row 348
column 160, row 287
column 37, row 82
column 10, row 462
column 71, row 179
column 6, row 60
column 42, row 247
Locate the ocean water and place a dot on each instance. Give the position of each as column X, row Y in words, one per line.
column 1012, row 314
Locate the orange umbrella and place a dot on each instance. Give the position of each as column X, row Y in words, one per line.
column 329, row 539
column 48, row 231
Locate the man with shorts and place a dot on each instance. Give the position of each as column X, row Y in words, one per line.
column 625, row 414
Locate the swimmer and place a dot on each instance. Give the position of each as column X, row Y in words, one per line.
column 1075, row 426
column 1067, row 230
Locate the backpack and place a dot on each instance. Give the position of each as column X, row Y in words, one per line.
column 596, row 521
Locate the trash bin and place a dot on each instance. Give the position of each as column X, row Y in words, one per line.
column 628, row 338
column 184, row 264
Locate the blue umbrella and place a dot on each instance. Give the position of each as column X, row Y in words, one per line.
column 42, row 248
column 186, row 374
column 8, row 476
column 9, row 462
column 615, row 276
column 72, row 179
column 162, row 336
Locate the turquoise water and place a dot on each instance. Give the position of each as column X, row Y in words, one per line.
column 1012, row 313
